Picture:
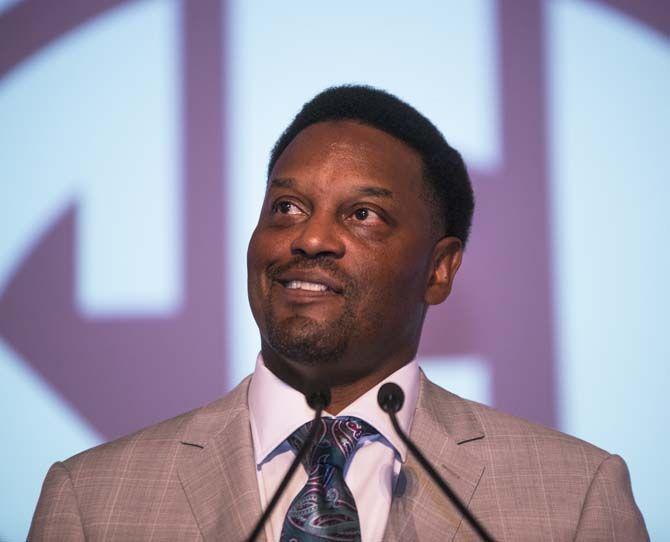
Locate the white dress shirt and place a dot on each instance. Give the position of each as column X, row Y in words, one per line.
column 276, row 410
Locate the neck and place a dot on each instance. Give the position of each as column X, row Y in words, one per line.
column 342, row 396
column 345, row 386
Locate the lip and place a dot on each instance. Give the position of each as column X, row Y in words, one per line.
column 334, row 286
column 302, row 297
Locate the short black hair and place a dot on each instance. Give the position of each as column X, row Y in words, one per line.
column 445, row 174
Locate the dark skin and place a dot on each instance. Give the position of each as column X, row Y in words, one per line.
column 345, row 260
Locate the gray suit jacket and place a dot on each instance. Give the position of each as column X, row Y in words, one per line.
column 193, row 478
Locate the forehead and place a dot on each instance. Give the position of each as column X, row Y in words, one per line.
column 342, row 151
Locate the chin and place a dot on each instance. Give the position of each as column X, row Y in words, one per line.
column 306, row 341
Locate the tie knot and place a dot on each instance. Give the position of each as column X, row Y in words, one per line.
column 335, row 442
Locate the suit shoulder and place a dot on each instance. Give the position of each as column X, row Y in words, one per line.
column 508, row 432
column 504, row 426
column 159, row 435
column 160, row 441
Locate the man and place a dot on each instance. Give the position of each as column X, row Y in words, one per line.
column 366, row 215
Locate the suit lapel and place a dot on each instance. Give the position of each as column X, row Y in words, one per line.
column 442, row 423
column 218, row 474
column 217, row 469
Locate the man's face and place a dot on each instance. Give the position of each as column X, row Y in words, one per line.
column 342, row 254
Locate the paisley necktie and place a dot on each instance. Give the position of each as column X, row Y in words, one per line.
column 325, row 508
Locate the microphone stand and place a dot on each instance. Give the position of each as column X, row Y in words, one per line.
column 391, row 398
column 318, row 401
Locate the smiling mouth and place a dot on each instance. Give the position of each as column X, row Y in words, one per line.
column 305, row 289
column 304, row 285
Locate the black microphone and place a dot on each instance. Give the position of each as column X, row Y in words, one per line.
column 318, row 400
column 391, row 399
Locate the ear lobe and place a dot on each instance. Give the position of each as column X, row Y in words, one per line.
column 447, row 257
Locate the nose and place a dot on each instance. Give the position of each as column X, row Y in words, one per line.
column 318, row 236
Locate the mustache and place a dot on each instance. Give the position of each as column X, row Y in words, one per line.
column 322, row 263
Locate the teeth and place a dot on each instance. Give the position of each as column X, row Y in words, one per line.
column 302, row 285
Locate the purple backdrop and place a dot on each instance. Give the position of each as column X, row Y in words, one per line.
column 501, row 308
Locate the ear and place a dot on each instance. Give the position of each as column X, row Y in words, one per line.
column 446, row 259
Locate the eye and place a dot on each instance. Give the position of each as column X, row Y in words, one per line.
column 362, row 214
column 286, row 207
column 366, row 215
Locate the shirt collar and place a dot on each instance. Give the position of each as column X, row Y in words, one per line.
column 270, row 425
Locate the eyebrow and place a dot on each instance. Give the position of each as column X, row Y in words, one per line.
column 375, row 191
column 281, row 182
column 285, row 182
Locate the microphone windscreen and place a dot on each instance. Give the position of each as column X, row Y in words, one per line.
column 318, row 399
column 390, row 397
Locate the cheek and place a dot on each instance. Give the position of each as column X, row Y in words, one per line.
column 266, row 247
column 390, row 306
column 388, row 284
column 253, row 260
column 405, row 265
column 256, row 264
column 263, row 249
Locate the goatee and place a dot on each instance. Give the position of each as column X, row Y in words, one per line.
column 303, row 339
